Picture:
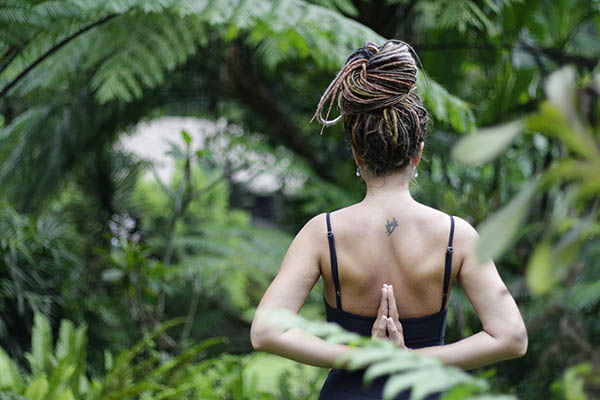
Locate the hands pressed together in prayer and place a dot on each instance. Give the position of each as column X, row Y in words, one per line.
column 387, row 326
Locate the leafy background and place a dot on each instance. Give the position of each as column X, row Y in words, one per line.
column 118, row 283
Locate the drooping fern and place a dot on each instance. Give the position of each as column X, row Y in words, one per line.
column 150, row 38
column 122, row 58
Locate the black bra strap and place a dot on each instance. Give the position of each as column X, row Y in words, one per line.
column 334, row 266
column 448, row 264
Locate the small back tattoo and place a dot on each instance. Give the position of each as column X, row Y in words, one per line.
column 391, row 225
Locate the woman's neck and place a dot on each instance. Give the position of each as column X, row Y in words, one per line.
column 394, row 185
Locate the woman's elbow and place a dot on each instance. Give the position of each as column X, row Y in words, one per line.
column 517, row 342
column 257, row 338
column 261, row 335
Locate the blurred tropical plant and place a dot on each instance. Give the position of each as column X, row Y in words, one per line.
column 573, row 383
column 575, row 219
column 562, row 272
column 138, row 372
column 36, row 263
column 61, row 372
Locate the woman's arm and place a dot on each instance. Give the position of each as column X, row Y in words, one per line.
column 504, row 335
column 298, row 274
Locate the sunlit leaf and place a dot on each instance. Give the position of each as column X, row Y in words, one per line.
column 574, row 380
column 66, row 339
column 41, row 342
column 37, row 389
column 486, row 143
column 560, row 89
column 362, row 358
column 395, row 365
column 441, row 380
column 552, row 121
column 10, row 379
column 186, row 137
column 427, row 380
column 500, row 230
column 570, row 169
column 540, row 272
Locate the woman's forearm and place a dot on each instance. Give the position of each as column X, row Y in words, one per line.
column 300, row 346
column 477, row 350
column 472, row 352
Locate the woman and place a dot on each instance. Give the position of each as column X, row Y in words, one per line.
column 388, row 263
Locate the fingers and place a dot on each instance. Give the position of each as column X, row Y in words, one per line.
column 383, row 303
column 379, row 328
column 395, row 332
column 392, row 309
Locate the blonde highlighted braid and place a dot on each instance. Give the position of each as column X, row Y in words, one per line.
column 384, row 118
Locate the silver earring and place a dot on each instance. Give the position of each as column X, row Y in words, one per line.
column 357, row 171
column 416, row 173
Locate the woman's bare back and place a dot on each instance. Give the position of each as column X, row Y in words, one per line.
column 402, row 243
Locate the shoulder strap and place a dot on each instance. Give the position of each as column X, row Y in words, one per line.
column 334, row 266
column 448, row 264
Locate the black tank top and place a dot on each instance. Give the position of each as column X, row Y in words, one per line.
column 425, row 331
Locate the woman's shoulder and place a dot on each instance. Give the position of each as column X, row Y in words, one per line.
column 338, row 216
column 425, row 218
column 433, row 215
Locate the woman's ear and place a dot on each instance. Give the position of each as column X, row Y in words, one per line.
column 417, row 159
column 357, row 158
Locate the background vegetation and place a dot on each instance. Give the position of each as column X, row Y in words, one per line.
column 99, row 254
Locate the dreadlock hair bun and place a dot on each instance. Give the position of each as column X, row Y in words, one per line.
column 384, row 118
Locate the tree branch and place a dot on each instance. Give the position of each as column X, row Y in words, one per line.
column 555, row 55
column 52, row 50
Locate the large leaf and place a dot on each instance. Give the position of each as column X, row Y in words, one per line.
column 41, row 346
column 10, row 379
column 499, row 231
column 554, row 122
column 486, row 143
column 560, row 89
column 540, row 273
column 38, row 388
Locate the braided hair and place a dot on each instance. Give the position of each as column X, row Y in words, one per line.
column 384, row 118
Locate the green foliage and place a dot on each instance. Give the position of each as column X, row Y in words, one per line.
column 258, row 376
column 140, row 371
column 486, row 144
column 571, row 386
column 143, row 372
column 495, row 240
column 263, row 64
column 35, row 262
column 558, row 118
column 465, row 14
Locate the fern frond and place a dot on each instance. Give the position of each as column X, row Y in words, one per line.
column 458, row 14
column 584, row 296
column 138, row 57
column 166, row 33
